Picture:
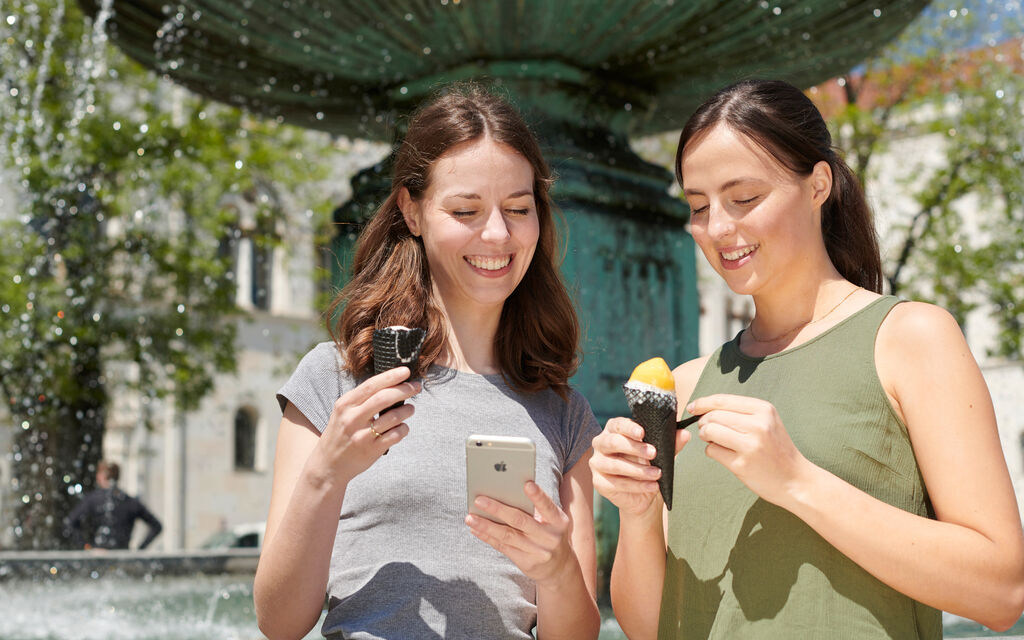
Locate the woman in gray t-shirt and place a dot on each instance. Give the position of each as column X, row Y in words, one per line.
column 464, row 247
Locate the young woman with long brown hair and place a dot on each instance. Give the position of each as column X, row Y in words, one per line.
column 465, row 247
column 852, row 484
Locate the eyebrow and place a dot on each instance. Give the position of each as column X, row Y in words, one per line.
column 727, row 185
column 474, row 196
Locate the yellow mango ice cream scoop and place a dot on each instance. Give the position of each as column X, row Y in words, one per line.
column 654, row 372
column 650, row 392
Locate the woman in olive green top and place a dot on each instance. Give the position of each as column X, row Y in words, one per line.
column 850, row 482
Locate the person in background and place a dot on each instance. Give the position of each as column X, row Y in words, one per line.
column 849, row 480
column 466, row 248
column 105, row 518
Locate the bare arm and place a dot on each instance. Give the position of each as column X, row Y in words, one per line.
column 623, row 474
column 311, row 474
column 567, row 605
column 970, row 561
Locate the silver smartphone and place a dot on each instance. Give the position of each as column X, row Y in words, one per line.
column 498, row 467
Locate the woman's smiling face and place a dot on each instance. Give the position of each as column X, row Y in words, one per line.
column 479, row 224
column 752, row 217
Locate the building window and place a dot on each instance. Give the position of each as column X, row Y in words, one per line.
column 249, row 245
column 245, row 439
column 262, row 267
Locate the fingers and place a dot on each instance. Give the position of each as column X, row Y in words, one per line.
column 372, row 396
column 373, row 384
column 521, row 531
column 511, row 536
column 389, row 396
column 738, row 404
column 545, row 506
column 489, row 532
column 722, row 436
column 623, row 468
column 621, row 460
column 621, row 485
column 512, row 517
column 390, row 419
column 616, row 444
column 721, row 455
column 624, row 427
column 392, row 437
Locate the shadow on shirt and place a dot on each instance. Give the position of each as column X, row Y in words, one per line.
column 401, row 602
column 772, row 549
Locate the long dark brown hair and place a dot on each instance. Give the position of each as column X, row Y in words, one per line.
column 783, row 121
column 537, row 341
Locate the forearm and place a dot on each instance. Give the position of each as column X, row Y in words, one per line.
column 948, row 566
column 291, row 579
column 639, row 572
column 151, row 534
column 567, row 609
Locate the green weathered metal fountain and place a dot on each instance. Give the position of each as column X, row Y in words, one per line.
column 590, row 75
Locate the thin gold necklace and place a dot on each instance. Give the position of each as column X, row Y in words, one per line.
column 750, row 327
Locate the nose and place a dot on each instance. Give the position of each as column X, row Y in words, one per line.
column 720, row 223
column 495, row 227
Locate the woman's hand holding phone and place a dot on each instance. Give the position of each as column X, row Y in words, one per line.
column 538, row 544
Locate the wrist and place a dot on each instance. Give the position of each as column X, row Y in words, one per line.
column 324, row 477
column 799, row 496
column 563, row 578
column 650, row 517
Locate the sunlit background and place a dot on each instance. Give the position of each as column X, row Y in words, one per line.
column 165, row 257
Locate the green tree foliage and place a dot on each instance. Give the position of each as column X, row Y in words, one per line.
column 116, row 261
column 955, row 75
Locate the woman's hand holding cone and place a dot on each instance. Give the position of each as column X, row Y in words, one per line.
column 621, row 466
column 348, row 444
column 747, row 437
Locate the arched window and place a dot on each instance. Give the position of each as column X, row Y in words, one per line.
column 249, row 244
column 262, row 271
column 245, row 439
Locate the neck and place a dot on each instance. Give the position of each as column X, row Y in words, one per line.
column 471, row 334
column 781, row 314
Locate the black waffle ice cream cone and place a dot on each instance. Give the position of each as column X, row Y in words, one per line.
column 654, row 409
column 396, row 347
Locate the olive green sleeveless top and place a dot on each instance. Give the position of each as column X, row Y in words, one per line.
column 741, row 567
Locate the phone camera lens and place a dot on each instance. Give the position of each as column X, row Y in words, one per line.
column 479, row 444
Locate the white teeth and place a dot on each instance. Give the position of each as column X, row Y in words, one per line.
column 489, row 263
column 739, row 253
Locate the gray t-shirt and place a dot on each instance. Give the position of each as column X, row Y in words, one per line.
column 405, row 564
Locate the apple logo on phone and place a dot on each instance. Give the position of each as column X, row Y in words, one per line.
column 500, row 466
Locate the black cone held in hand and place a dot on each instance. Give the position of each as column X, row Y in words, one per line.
column 655, row 411
column 396, row 347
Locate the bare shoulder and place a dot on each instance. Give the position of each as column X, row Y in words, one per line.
column 686, row 376
column 913, row 325
column 921, row 351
